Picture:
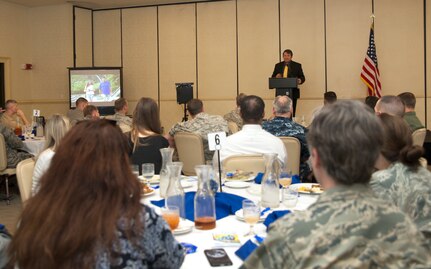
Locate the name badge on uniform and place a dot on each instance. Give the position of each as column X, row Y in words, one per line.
column 216, row 140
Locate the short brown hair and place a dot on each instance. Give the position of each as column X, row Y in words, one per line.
column 348, row 155
column 195, row 106
column 239, row 99
column 120, row 103
column 88, row 110
column 408, row 99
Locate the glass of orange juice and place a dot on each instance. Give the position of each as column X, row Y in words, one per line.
column 172, row 216
column 251, row 214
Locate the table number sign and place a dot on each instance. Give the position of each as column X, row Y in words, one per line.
column 36, row 112
column 216, row 140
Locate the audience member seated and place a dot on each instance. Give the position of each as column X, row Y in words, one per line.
column 87, row 212
column 401, row 179
column 234, row 115
column 371, row 101
column 201, row 123
column 347, row 227
column 282, row 125
column 410, row 117
column 252, row 139
column 91, row 113
column 14, row 146
column 328, row 98
column 120, row 116
column 390, row 104
column 77, row 114
column 56, row 127
column 13, row 116
column 146, row 136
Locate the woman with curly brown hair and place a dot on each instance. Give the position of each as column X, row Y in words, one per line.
column 401, row 179
column 87, row 213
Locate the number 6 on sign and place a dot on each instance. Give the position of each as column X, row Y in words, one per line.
column 216, row 140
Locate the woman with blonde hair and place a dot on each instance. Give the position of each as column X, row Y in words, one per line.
column 146, row 136
column 55, row 128
column 87, row 212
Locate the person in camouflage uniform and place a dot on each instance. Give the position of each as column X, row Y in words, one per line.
column 234, row 115
column 13, row 147
column 402, row 180
column 283, row 125
column 120, row 116
column 348, row 226
column 201, row 123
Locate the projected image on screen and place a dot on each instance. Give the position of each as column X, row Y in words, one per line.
column 101, row 87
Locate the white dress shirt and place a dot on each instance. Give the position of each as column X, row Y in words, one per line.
column 252, row 139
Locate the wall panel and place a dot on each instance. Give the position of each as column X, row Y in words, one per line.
column 140, row 69
column 348, row 28
column 107, row 38
column 177, row 57
column 400, row 41
column 177, row 48
column 302, row 31
column 216, row 39
column 83, row 37
column 257, row 45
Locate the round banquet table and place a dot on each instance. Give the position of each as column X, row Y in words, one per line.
column 34, row 145
column 203, row 239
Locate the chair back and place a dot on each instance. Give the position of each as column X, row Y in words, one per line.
column 293, row 149
column 190, row 151
column 3, row 155
column 249, row 163
column 233, row 127
column 419, row 136
column 24, row 175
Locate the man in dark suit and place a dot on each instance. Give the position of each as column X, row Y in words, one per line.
column 289, row 69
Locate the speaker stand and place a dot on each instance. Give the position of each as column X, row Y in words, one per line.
column 185, row 113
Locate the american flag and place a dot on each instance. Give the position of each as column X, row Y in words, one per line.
column 370, row 74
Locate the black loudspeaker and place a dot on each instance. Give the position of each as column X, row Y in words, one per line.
column 184, row 92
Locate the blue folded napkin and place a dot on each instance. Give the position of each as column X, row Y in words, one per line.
column 274, row 216
column 259, row 176
column 245, row 250
column 226, row 204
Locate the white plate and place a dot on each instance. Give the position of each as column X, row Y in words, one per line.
column 251, row 178
column 186, row 184
column 156, row 179
column 262, row 218
column 183, row 228
column 237, row 184
column 296, row 187
column 149, row 193
column 255, row 189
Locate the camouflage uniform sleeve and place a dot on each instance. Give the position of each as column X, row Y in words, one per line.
column 175, row 129
column 11, row 139
column 274, row 253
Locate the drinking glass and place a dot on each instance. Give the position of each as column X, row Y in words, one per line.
column 148, row 171
column 251, row 214
column 135, row 169
column 290, row 198
column 172, row 216
column 285, row 179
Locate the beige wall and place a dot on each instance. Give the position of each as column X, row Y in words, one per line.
column 43, row 37
column 223, row 47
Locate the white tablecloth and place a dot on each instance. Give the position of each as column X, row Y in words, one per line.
column 34, row 145
column 204, row 239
